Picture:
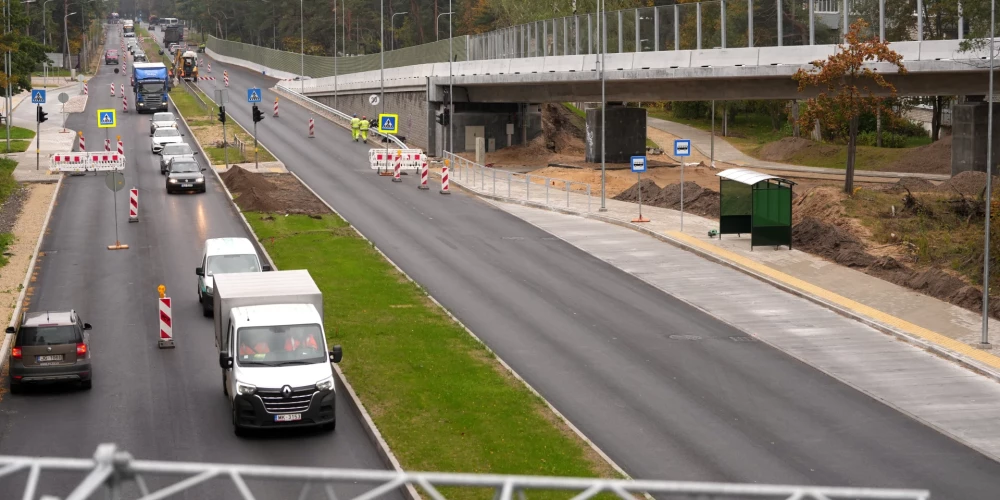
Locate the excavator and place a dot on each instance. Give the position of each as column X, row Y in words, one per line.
column 185, row 64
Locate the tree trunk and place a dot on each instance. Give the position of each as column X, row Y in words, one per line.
column 936, row 118
column 795, row 118
column 878, row 128
column 852, row 147
column 415, row 9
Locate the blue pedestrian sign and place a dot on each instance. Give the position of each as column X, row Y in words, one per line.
column 37, row 96
column 106, row 118
column 388, row 124
column 638, row 164
column 682, row 147
column 253, row 95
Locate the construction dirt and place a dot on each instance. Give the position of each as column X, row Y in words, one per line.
column 271, row 193
column 934, row 158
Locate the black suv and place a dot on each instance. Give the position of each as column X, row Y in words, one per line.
column 50, row 347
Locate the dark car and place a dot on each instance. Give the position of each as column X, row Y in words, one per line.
column 184, row 174
column 50, row 347
column 111, row 57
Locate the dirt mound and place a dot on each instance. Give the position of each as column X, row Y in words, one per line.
column 934, row 158
column 831, row 242
column 968, row 183
column 915, row 185
column 563, row 131
column 650, row 191
column 271, row 193
column 786, row 148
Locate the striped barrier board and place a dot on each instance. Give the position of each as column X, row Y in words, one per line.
column 69, row 162
column 166, row 337
column 133, row 205
column 411, row 159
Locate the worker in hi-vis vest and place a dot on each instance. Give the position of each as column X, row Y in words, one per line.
column 355, row 127
column 364, row 128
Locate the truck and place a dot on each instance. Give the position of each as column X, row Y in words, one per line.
column 172, row 34
column 128, row 26
column 150, row 83
column 276, row 368
column 186, row 64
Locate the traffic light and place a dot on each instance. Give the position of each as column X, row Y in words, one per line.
column 257, row 115
column 42, row 116
column 222, row 114
column 444, row 117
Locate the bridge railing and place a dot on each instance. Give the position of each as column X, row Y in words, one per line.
column 551, row 192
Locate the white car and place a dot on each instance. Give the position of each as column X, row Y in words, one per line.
column 171, row 151
column 224, row 255
column 162, row 120
column 164, row 136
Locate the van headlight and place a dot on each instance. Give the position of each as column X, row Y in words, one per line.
column 245, row 389
column 172, row 181
column 325, row 384
column 200, row 179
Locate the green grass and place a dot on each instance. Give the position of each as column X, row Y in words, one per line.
column 198, row 116
column 15, row 146
column 6, row 240
column 576, row 111
column 7, row 182
column 53, row 72
column 18, row 133
column 439, row 397
column 754, row 128
column 218, row 156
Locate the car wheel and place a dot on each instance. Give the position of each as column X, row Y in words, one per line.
column 87, row 384
column 225, row 388
column 205, row 311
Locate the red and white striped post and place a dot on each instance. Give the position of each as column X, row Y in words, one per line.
column 209, row 67
column 124, row 104
column 166, row 337
column 275, row 107
column 444, row 179
column 124, row 66
column 85, row 90
column 121, row 147
column 133, row 205
column 121, row 86
column 83, row 145
column 312, row 128
column 107, row 145
column 423, row 176
column 112, row 89
column 395, row 168
column 225, row 77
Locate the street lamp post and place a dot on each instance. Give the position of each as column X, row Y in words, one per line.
column 984, row 343
column 437, row 32
column 451, row 84
column 45, row 27
column 392, row 29
column 602, row 35
column 66, row 39
column 302, row 48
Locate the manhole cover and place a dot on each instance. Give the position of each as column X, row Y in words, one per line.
column 685, row 337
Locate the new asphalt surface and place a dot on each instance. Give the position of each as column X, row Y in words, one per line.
column 157, row 404
column 596, row 342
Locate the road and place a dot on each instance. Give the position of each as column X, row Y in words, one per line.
column 594, row 340
column 156, row 404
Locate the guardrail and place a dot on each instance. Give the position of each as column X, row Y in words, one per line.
column 549, row 191
column 339, row 115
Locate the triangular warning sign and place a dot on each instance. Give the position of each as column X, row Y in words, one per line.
column 254, row 96
column 106, row 119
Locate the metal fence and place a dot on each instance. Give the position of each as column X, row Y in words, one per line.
column 548, row 191
column 320, row 66
column 120, row 476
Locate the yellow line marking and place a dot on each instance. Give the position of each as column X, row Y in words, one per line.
column 882, row 317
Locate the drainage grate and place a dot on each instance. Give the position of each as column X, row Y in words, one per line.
column 685, row 337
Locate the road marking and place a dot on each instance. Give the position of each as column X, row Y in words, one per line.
column 857, row 307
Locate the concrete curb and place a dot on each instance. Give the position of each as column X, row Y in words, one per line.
column 19, row 308
column 384, row 452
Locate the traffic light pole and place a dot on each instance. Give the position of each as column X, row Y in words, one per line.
column 38, row 136
column 256, row 164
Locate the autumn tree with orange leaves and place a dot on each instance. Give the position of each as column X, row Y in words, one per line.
column 849, row 87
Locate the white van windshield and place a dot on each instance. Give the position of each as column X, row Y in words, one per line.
column 280, row 345
column 223, row 264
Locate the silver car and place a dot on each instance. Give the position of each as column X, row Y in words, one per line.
column 50, row 347
column 171, row 151
column 164, row 136
column 162, row 120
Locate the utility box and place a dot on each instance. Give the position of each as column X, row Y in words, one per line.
column 626, row 134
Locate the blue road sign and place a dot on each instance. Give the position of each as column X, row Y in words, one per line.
column 388, row 123
column 37, row 96
column 682, row 147
column 253, row 95
column 638, row 164
column 106, row 118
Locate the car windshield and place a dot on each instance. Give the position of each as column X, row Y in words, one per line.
column 166, row 132
column 280, row 345
column 237, row 263
column 163, row 117
column 47, row 335
column 177, row 149
column 154, row 88
column 112, row 52
column 186, row 166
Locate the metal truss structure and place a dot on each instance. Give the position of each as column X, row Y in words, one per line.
column 113, row 471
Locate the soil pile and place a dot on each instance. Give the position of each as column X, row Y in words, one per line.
column 697, row 200
column 934, row 158
column 968, row 183
column 271, row 193
column 650, row 191
column 788, row 147
column 563, row 130
column 915, row 185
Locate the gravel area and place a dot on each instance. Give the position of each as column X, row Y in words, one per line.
column 26, row 231
column 11, row 209
column 76, row 104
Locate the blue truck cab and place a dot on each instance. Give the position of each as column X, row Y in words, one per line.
column 150, row 82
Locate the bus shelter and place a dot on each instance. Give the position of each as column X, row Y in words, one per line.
column 756, row 204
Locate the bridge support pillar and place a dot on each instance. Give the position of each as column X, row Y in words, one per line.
column 969, row 136
column 626, row 134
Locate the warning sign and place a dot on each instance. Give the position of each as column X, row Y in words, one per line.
column 106, row 118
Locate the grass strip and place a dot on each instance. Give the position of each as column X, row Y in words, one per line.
column 6, row 240
column 7, row 183
column 438, row 396
column 203, row 121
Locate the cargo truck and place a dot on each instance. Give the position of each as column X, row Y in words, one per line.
column 272, row 349
column 150, row 83
column 172, row 34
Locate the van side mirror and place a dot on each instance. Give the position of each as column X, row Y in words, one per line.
column 86, row 326
column 10, row 330
column 336, row 354
column 203, row 169
column 265, row 268
column 200, row 271
column 195, row 152
column 225, row 360
column 161, row 52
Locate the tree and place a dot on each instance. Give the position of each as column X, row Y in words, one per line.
column 846, row 82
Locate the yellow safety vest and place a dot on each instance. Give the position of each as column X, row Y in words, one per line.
column 356, row 123
column 364, row 124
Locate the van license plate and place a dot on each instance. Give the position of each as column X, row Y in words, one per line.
column 288, row 417
column 187, row 185
column 52, row 357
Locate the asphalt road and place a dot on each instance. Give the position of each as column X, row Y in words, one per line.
column 594, row 340
column 156, row 404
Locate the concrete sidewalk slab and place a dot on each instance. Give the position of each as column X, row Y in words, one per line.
column 52, row 138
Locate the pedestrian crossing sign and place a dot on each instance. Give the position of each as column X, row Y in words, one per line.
column 106, row 118
column 37, row 97
column 388, row 124
column 253, row 95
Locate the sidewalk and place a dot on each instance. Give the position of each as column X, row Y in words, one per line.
column 830, row 317
column 53, row 140
column 727, row 153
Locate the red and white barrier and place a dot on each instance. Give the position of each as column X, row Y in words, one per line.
column 122, row 88
column 423, row 176
column 275, row 107
column 85, row 90
column 105, row 162
column 68, row 163
column 133, row 205
column 83, row 145
column 121, row 148
column 166, row 338
column 312, row 128
column 206, row 78
column 107, row 144
column 395, row 168
column 225, row 77
column 444, row 180
column 411, row 159
column 124, row 66
column 209, row 67
column 124, row 104
column 112, row 90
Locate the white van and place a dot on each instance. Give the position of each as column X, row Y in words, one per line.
column 221, row 256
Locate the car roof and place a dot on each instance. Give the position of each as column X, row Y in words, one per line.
column 163, row 129
column 49, row 318
column 229, row 246
column 161, row 113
